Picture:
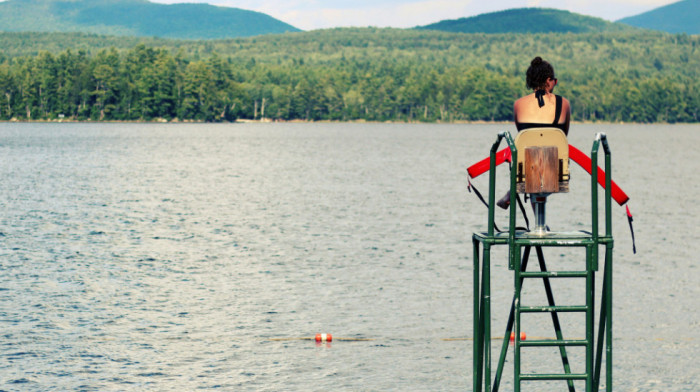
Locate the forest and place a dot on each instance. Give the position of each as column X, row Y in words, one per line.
column 345, row 74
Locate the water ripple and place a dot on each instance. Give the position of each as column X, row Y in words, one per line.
column 166, row 257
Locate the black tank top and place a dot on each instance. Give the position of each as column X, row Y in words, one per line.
column 555, row 124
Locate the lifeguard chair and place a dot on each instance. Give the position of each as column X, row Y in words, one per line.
column 541, row 160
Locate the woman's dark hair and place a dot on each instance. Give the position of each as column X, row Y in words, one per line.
column 538, row 73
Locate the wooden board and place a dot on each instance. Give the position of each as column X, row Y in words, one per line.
column 541, row 169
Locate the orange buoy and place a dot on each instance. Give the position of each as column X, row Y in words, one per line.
column 523, row 336
column 324, row 337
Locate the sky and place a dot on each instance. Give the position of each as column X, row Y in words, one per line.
column 318, row 14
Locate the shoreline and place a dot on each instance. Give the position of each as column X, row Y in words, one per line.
column 270, row 121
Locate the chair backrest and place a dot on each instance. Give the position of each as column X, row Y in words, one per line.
column 543, row 161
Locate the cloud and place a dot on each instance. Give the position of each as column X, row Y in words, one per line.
column 381, row 14
column 425, row 12
column 317, row 14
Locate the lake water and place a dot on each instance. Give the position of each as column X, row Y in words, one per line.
column 175, row 257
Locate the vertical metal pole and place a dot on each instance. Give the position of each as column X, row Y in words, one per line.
column 608, row 187
column 512, row 260
column 590, row 313
column 594, row 196
column 602, row 323
column 609, row 324
column 478, row 345
column 608, row 266
column 607, row 281
column 486, row 282
column 592, row 265
column 605, row 325
column 492, row 182
column 539, row 202
column 518, row 289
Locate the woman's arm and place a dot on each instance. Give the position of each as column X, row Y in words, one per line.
column 567, row 115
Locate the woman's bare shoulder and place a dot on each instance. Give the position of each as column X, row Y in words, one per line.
column 566, row 105
column 525, row 97
column 520, row 101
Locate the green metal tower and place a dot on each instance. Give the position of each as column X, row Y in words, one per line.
column 520, row 245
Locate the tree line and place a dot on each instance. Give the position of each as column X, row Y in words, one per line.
column 354, row 74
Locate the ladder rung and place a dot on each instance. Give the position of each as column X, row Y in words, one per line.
column 554, row 274
column 553, row 342
column 537, row 309
column 570, row 376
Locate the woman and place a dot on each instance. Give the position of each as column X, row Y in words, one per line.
column 542, row 108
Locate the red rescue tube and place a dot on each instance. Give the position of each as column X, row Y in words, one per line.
column 575, row 154
column 483, row 165
column 585, row 162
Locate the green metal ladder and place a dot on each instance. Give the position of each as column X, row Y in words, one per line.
column 520, row 244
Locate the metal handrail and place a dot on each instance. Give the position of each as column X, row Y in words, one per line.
column 492, row 177
column 492, row 191
column 601, row 138
column 605, row 323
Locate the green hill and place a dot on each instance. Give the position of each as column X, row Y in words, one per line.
column 136, row 18
column 342, row 74
column 527, row 20
column 680, row 17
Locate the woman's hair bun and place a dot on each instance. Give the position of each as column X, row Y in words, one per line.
column 538, row 73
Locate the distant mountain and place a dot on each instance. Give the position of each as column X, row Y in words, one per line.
column 136, row 18
column 680, row 17
column 527, row 20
